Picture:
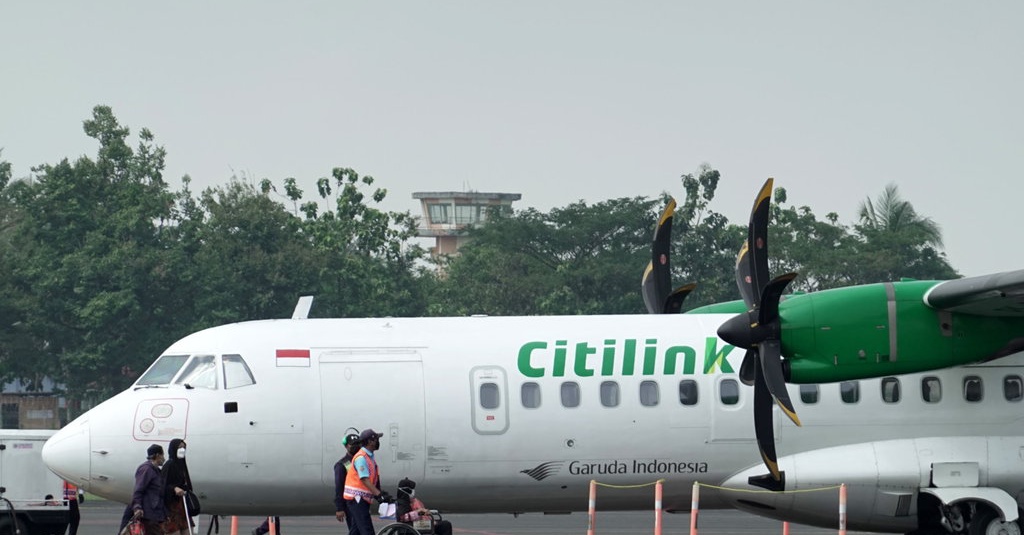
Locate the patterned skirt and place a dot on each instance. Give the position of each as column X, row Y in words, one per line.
column 176, row 520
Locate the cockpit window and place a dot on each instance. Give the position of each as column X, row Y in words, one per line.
column 236, row 372
column 161, row 372
column 201, row 372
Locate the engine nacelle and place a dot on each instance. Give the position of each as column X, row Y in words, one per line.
column 885, row 329
column 884, row 481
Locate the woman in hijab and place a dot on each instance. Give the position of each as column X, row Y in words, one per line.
column 176, row 483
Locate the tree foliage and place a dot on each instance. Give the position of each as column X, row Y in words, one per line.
column 102, row 266
column 579, row 259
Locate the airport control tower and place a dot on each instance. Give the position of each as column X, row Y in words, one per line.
column 447, row 215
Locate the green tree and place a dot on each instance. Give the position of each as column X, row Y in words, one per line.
column 706, row 243
column 578, row 259
column 821, row 251
column 898, row 242
column 90, row 256
column 366, row 264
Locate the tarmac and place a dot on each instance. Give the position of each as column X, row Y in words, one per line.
column 101, row 517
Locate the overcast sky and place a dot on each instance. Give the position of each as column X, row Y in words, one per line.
column 556, row 100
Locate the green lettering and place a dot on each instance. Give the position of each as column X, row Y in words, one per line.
column 629, row 356
column 558, row 369
column 713, row 358
column 524, row 359
column 650, row 355
column 608, row 358
column 689, row 359
column 580, row 364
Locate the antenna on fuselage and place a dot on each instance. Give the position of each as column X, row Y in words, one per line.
column 301, row 311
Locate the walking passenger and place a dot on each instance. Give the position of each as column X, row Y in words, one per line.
column 148, row 495
column 176, row 483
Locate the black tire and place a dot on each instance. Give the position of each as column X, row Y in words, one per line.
column 987, row 522
column 395, row 528
column 7, row 528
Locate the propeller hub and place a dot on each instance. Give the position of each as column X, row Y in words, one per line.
column 744, row 331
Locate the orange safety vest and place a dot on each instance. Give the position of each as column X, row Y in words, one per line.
column 354, row 485
column 70, row 492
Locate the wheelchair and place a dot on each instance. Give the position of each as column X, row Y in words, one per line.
column 423, row 526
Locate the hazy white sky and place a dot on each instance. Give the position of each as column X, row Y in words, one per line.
column 558, row 101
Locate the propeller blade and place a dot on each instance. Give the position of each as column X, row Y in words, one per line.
column 770, row 297
column 656, row 281
column 674, row 302
column 770, row 355
column 748, row 367
column 764, row 427
column 752, row 261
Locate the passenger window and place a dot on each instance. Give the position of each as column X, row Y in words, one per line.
column 931, row 389
column 972, row 388
column 489, row 396
column 649, row 393
column 610, row 394
column 161, row 372
column 1012, row 388
column 890, row 390
column 236, row 372
column 530, row 394
column 688, row 392
column 570, row 394
column 729, row 392
column 200, row 372
column 849, row 391
column 809, row 394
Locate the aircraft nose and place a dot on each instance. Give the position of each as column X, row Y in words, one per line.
column 67, row 453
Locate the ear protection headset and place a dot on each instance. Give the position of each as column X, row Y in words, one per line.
column 350, row 437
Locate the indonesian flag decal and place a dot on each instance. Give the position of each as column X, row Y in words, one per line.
column 292, row 358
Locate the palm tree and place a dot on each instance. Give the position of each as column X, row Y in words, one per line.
column 890, row 214
column 897, row 242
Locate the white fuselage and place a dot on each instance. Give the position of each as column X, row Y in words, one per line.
column 519, row 414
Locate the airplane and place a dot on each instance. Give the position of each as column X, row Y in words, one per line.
column 518, row 414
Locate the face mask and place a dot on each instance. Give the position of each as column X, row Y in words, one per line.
column 412, row 494
column 181, row 453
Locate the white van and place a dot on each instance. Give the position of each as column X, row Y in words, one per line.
column 31, row 496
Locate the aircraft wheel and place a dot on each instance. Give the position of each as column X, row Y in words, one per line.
column 987, row 522
column 397, row 528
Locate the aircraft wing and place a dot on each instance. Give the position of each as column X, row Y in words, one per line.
column 1000, row 294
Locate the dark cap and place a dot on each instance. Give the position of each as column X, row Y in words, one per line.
column 154, row 450
column 350, row 438
column 367, row 434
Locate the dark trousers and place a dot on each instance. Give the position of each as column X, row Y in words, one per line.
column 348, row 515
column 265, row 526
column 362, row 524
column 75, row 517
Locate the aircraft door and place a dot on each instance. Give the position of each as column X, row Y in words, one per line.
column 382, row 390
column 490, row 400
column 731, row 419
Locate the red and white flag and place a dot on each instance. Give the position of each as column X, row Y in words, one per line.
column 291, row 358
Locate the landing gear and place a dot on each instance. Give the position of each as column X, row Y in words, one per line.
column 985, row 521
column 963, row 518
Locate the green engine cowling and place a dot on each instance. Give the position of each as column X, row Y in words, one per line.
column 885, row 329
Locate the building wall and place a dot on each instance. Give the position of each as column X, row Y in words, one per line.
column 23, row 411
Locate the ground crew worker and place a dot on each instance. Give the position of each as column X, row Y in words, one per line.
column 362, row 484
column 341, row 468
column 71, row 496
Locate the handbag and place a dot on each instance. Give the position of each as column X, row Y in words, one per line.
column 192, row 506
column 135, row 527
